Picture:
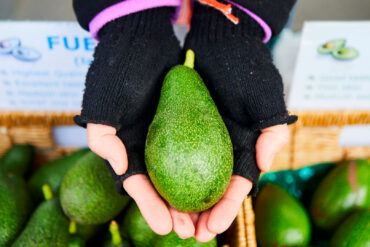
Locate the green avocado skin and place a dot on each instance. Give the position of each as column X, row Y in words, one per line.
column 281, row 219
column 353, row 232
column 15, row 206
column 135, row 228
column 87, row 192
column 17, row 160
column 188, row 154
column 47, row 227
column 172, row 240
column 345, row 189
column 52, row 173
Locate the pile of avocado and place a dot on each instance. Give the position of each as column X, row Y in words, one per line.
column 336, row 214
column 70, row 202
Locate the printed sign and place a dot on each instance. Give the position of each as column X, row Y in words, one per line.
column 43, row 65
column 333, row 67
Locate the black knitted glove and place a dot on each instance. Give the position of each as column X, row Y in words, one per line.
column 124, row 81
column 237, row 69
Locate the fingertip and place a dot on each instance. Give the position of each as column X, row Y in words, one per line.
column 182, row 224
column 203, row 234
column 163, row 229
column 217, row 226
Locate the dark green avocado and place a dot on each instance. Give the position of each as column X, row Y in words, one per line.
column 52, row 173
column 87, row 192
column 172, row 240
column 15, row 206
column 281, row 219
column 18, row 159
column 344, row 190
column 188, row 154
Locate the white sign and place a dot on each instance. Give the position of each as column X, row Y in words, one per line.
column 333, row 67
column 43, row 65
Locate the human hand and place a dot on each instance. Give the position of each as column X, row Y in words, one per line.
column 237, row 68
column 219, row 218
column 122, row 86
column 161, row 218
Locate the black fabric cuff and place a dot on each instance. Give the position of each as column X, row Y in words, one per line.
column 111, row 88
column 86, row 10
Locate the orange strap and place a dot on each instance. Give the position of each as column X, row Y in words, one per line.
column 224, row 8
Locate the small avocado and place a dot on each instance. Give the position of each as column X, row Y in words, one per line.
column 353, row 232
column 345, row 189
column 86, row 232
column 47, row 227
column 188, row 153
column 172, row 240
column 136, row 229
column 281, row 219
column 345, row 53
column 76, row 241
column 115, row 239
column 87, row 192
column 52, row 173
column 331, row 46
column 15, row 206
column 18, row 159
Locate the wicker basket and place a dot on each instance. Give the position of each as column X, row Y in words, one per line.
column 314, row 139
column 36, row 128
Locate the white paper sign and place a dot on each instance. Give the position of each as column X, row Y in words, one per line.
column 335, row 80
column 43, row 65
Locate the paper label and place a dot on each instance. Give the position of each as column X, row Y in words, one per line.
column 332, row 80
column 43, row 65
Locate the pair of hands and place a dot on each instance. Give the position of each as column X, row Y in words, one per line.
column 159, row 215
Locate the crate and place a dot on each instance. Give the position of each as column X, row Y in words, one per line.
column 314, row 139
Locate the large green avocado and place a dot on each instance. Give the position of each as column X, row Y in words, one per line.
column 15, row 206
column 345, row 189
column 136, row 229
column 188, row 154
column 87, row 192
column 47, row 227
column 17, row 160
column 172, row 240
column 281, row 219
column 353, row 232
column 53, row 173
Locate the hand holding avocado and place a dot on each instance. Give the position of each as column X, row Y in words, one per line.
column 123, row 87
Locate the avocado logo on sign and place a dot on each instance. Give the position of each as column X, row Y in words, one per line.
column 338, row 50
column 13, row 46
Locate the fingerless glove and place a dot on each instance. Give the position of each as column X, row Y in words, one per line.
column 237, row 68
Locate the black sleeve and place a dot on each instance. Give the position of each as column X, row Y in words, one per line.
column 86, row 10
column 238, row 70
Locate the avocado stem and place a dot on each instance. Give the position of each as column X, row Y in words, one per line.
column 72, row 227
column 114, row 231
column 46, row 191
column 189, row 59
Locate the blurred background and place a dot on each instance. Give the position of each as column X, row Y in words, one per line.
column 305, row 10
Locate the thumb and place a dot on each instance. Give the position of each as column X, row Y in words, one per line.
column 103, row 141
column 269, row 143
